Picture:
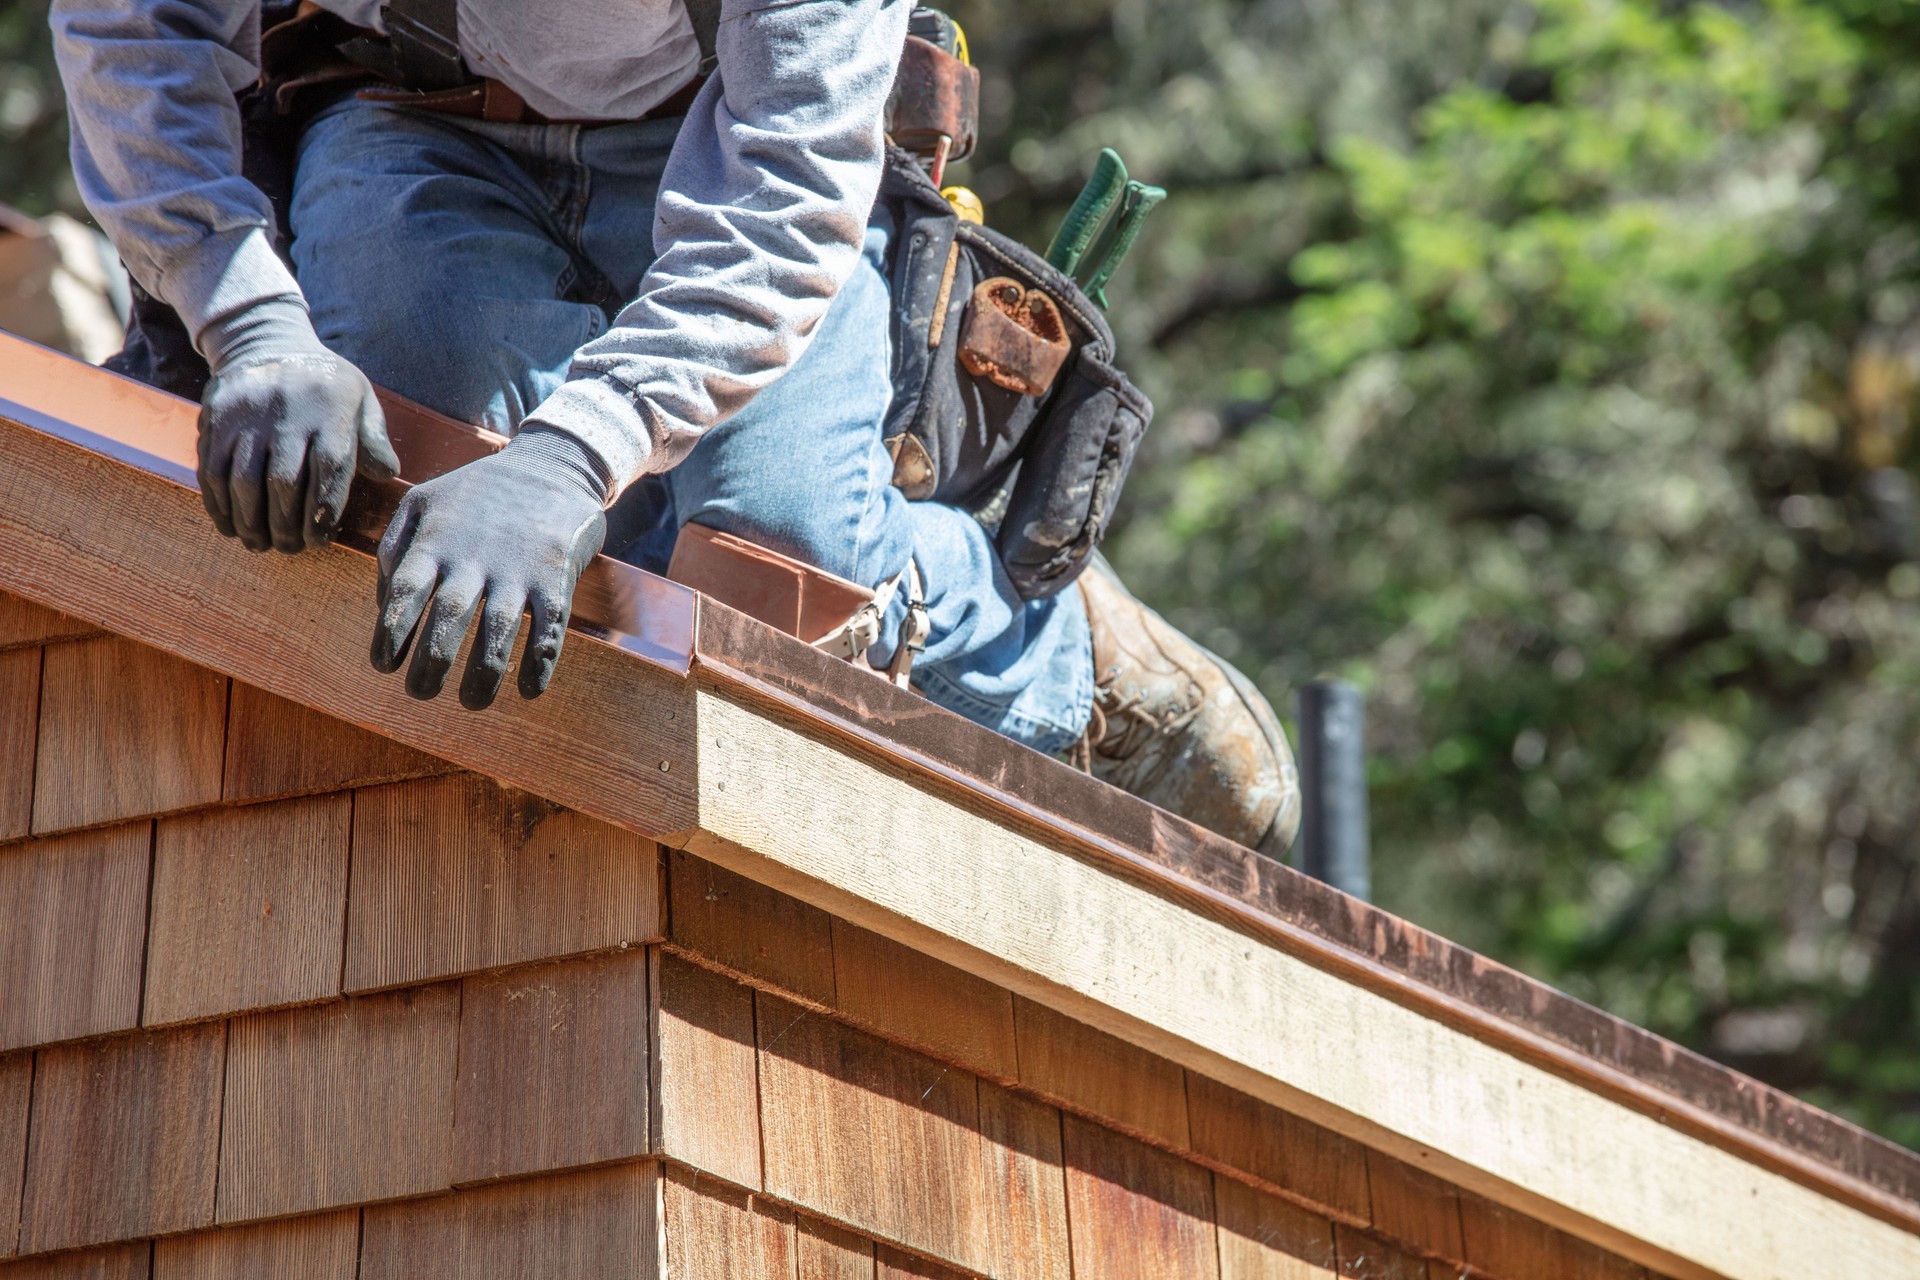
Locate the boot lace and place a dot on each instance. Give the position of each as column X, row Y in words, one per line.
column 1137, row 725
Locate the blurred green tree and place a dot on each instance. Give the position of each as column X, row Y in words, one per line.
column 33, row 136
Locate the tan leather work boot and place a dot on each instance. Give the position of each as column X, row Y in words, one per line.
column 1179, row 727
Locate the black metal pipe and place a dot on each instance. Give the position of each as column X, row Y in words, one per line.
column 1335, row 843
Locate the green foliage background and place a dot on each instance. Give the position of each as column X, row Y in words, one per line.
column 33, row 131
column 1548, row 368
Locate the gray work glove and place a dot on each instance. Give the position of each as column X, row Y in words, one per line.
column 284, row 425
column 516, row 528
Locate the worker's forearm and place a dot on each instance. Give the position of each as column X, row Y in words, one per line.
column 156, row 146
column 762, row 212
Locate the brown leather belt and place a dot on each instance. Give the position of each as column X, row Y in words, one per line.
column 494, row 102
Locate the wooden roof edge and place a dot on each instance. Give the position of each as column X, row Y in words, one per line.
column 94, row 412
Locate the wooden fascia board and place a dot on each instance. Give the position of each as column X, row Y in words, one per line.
column 920, row 864
column 150, row 431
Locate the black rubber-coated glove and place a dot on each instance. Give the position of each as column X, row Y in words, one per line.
column 284, row 425
column 515, row 530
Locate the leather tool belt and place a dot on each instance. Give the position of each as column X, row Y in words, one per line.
column 492, row 101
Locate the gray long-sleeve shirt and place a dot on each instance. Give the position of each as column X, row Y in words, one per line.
column 760, row 217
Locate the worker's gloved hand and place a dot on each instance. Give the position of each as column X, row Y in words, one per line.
column 515, row 529
column 284, row 425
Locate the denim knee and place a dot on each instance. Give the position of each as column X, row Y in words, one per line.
column 802, row 469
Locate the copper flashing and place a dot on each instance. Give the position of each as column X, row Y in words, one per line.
column 430, row 444
column 788, row 595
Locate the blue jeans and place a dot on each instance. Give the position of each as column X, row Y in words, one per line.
column 461, row 264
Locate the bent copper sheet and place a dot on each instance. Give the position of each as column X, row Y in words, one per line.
column 133, row 424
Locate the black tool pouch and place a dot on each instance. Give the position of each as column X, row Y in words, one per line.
column 993, row 419
column 1076, row 460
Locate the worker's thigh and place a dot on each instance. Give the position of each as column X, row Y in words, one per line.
column 443, row 257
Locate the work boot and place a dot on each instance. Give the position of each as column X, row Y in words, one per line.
column 1178, row 726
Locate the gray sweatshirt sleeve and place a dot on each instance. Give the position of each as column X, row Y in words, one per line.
column 156, row 146
column 762, row 211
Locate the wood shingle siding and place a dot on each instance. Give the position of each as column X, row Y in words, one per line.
column 279, row 748
column 125, row 1138
column 826, row 1252
column 322, row 1247
column 751, row 929
column 1135, row 1210
column 72, row 948
column 1070, row 1060
column 125, row 732
column 880, row 1160
column 870, row 1134
column 1367, row 1257
column 1027, row 1233
column 19, row 729
column 922, row 1002
column 1263, row 1237
column 892, row 1264
column 708, row 1071
column 553, row 1067
column 1293, row 1154
column 340, row 1104
column 457, row 874
column 122, row 1262
column 249, row 908
column 1414, row 1206
column 24, row 623
column 1499, row 1241
column 598, row 1225
column 717, row 1232
column 16, row 1096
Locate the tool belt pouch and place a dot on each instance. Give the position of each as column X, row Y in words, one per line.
column 1006, row 399
column 1075, row 463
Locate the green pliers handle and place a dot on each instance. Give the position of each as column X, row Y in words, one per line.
column 1118, row 237
column 1090, row 208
